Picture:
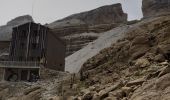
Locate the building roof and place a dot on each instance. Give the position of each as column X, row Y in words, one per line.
column 28, row 23
column 50, row 32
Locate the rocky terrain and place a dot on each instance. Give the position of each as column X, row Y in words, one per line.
column 44, row 89
column 155, row 7
column 136, row 66
column 6, row 30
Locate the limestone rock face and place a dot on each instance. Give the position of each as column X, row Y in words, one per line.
column 102, row 15
column 155, row 7
column 79, row 29
column 6, row 30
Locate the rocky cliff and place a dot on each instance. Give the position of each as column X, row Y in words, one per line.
column 102, row 15
column 76, row 37
column 155, row 7
column 76, row 29
column 6, row 30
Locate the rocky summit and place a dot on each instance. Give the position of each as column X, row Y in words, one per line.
column 80, row 29
column 103, row 15
column 155, row 7
column 6, row 30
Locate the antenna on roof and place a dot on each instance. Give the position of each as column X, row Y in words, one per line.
column 33, row 3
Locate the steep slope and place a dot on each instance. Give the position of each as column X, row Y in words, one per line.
column 6, row 30
column 134, row 63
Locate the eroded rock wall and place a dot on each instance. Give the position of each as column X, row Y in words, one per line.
column 155, row 7
column 79, row 29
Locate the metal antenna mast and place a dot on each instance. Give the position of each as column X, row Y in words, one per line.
column 33, row 3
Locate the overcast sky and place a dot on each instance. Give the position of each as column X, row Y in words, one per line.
column 46, row 11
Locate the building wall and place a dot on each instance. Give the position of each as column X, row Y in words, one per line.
column 2, row 70
column 49, row 48
column 21, row 73
column 28, row 42
column 55, row 55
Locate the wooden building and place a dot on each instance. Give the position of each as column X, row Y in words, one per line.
column 4, row 50
column 33, row 46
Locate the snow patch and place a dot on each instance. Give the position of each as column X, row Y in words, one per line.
column 76, row 60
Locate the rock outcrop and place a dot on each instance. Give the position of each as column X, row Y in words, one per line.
column 103, row 15
column 6, row 30
column 155, row 7
column 76, row 29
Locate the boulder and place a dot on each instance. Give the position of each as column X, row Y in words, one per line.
column 4, row 93
column 92, row 88
column 55, row 98
column 159, row 58
column 164, row 63
column 163, row 82
column 116, row 94
column 136, row 82
column 31, row 89
column 142, row 62
column 13, row 98
column 96, row 97
column 88, row 96
column 84, row 91
column 164, row 49
column 34, row 95
column 110, row 98
column 127, row 90
column 164, row 71
column 140, row 40
column 104, row 93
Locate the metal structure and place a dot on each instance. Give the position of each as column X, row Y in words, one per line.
column 18, row 64
column 32, row 46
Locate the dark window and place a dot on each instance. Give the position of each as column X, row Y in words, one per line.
column 38, row 58
column 61, row 65
column 20, row 58
column 34, row 45
column 35, row 33
column 32, row 58
column 22, row 45
column 23, row 34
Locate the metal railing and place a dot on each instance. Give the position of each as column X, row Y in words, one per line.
column 19, row 64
